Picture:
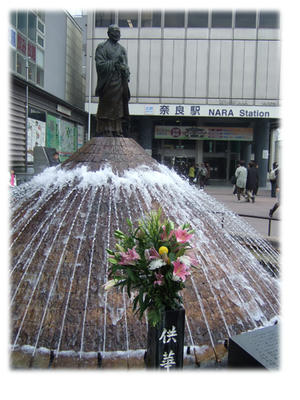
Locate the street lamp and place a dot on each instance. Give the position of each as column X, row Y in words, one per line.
column 26, row 109
column 90, row 94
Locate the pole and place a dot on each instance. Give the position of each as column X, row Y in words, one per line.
column 90, row 96
column 26, row 112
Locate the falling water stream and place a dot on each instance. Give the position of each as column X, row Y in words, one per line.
column 63, row 221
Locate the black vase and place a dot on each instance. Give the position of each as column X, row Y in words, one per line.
column 166, row 341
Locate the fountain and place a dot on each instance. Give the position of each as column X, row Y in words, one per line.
column 63, row 221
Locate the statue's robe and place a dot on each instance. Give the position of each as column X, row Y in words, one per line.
column 112, row 87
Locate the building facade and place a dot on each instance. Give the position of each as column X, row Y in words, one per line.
column 47, row 85
column 205, row 85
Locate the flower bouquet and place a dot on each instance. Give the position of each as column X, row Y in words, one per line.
column 152, row 260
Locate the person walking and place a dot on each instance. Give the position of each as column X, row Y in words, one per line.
column 273, row 174
column 277, row 204
column 241, row 179
column 206, row 181
column 12, row 178
column 257, row 183
column 192, row 173
column 202, row 175
column 251, row 183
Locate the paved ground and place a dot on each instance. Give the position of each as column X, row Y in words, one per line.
column 261, row 207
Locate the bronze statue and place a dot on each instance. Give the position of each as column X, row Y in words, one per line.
column 112, row 86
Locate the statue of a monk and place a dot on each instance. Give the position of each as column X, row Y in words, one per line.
column 112, row 86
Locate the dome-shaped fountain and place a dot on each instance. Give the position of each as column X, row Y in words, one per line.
column 63, row 221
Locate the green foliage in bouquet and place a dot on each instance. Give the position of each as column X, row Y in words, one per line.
column 152, row 261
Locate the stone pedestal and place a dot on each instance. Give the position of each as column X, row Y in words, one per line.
column 165, row 341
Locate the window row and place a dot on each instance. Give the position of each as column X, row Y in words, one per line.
column 30, row 24
column 195, row 19
column 35, row 72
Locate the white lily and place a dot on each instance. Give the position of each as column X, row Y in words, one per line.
column 155, row 264
column 185, row 260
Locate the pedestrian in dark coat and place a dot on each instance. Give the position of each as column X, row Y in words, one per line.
column 257, row 185
column 273, row 178
column 252, row 181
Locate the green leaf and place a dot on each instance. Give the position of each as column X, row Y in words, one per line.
column 112, row 261
column 154, row 317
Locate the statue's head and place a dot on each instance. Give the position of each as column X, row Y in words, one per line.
column 114, row 32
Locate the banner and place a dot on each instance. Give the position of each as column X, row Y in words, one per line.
column 203, row 133
column 52, row 139
column 36, row 136
column 80, row 136
column 67, row 140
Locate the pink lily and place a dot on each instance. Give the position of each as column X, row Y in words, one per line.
column 151, row 254
column 181, row 271
column 182, row 235
column 159, row 279
column 164, row 235
column 129, row 257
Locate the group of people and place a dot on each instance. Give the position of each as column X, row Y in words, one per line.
column 199, row 174
column 246, row 181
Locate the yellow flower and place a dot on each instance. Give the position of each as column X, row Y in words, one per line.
column 163, row 250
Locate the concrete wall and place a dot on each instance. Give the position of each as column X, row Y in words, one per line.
column 55, row 53
column 199, row 65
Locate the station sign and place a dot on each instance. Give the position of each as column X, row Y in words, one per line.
column 197, row 110
column 192, row 110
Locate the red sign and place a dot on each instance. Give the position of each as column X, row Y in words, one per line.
column 21, row 44
column 31, row 51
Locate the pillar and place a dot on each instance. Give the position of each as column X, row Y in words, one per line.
column 246, row 152
column 261, row 148
column 146, row 131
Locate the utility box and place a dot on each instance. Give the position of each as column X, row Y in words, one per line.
column 42, row 157
column 256, row 349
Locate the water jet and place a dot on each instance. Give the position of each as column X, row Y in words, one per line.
column 63, row 220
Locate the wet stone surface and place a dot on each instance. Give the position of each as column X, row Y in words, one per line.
column 63, row 221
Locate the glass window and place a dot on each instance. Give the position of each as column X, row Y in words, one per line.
column 269, row 19
column 198, row 19
column 13, row 56
column 40, row 41
column 13, row 19
column 207, row 146
column 151, row 19
column 31, row 51
column 128, row 19
column 104, row 19
column 13, row 38
column 31, row 72
column 21, row 65
column 174, row 19
column 41, row 27
column 40, row 58
column 32, row 26
column 22, row 22
column 221, row 19
column 41, row 15
column 245, row 19
column 40, row 76
column 221, row 146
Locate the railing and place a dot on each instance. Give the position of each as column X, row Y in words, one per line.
column 258, row 217
column 270, row 219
